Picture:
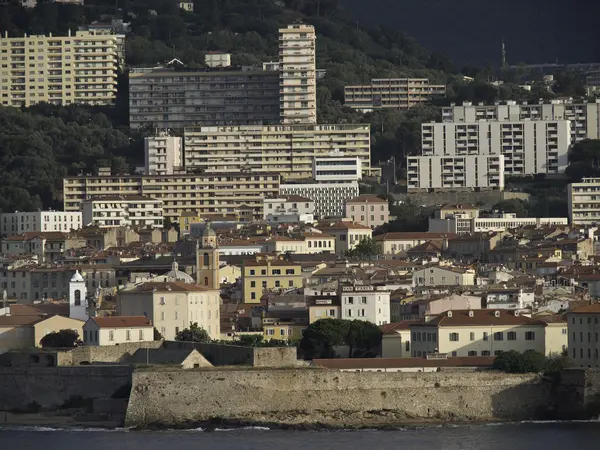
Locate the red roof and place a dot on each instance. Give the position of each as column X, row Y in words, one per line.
column 391, row 328
column 398, row 363
column 122, row 321
column 593, row 308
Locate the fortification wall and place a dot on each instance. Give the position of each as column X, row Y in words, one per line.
column 52, row 387
column 109, row 353
column 312, row 396
column 233, row 355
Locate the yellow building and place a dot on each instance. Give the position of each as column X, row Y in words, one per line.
column 61, row 70
column 186, row 219
column 268, row 274
column 283, row 329
column 203, row 193
column 484, row 332
column 323, row 307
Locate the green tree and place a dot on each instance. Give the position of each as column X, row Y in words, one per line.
column 321, row 337
column 193, row 334
column 515, row 362
column 516, row 206
column 157, row 335
column 365, row 249
column 584, row 160
column 61, row 339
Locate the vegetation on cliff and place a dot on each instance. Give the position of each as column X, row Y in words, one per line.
column 529, row 361
column 61, row 339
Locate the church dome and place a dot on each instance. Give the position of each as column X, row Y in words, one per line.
column 177, row 275
column 77, row 277
column 208, row 231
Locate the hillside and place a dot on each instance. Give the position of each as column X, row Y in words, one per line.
column 471, row 31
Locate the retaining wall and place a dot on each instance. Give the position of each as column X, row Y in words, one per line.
column 312, row 396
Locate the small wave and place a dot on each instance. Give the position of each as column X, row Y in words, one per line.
column 35, row 428
column 244, row 429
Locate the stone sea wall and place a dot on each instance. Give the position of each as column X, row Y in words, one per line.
column 23, row 389
column 331, row 398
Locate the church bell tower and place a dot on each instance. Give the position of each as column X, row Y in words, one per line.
column 207, row 260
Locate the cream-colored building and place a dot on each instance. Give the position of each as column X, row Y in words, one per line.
column 117, row 330
column 123, row 210
column 365, row 302
column 444, row 276
column 481, row 332
column 583, row 335
column 204, row 193
column 172, row 306
column 347, row 234
column 289, row 209
column 368, row 210
column 395, row 340
column 61, row 70
column 298, row 74
column 396, row 242
column 268, row 274
column 398, row 93
column 287, row 149
column 163, row 154
column 26, row 331
column 584, row 202
column 319, row 243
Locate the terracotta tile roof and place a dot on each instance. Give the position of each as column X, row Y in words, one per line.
column 481, row 317
column 411, row 236
column 341, row 225
column 40, row 309
column 49, row 235
column 17, row 321
column 122, row 321
column 593, row 308
column 171, row 286
column 367, row 198
column 391, row 328
column 393, row 363
column 426, row 247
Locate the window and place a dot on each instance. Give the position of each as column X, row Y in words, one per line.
column 141, row 335
column 162, row 315
column 511, row 335
column 497, row 352
column 454, row 354
column 289, row 271
column 472, row 353
column 350, row 301
column 252, row 272
column 128, row 335
column 574, row 351
column 485, row 336
column 85, row 338
column 472, row 336
column 485, row 353
column 253, row 284
column 454, row 337
column 530, row 335
column 574, row 337
column 363, row 300
column 111, row 335
column 407, row 346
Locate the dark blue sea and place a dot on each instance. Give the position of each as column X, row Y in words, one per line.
column 514, row 436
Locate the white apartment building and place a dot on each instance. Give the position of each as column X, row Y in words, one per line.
column 337, row 167
column 584, row 117
column 583, row 333
column 463, row 224
column 163, row 154
column 289, row 209
column 123, row 210
column 80, row 68
column 398, row 93
column 584, row 202
column 298, row 74
column 217, row 59
column 347, row 234
column 365, row 302
column 287, row 149
column 204, row 193
column 329, row 198
column 466, row 172
column 516, row 298
column 41, row 221
column 529, row 146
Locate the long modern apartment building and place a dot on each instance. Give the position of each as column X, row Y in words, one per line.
column 286, row 149
column 77, row 68
column 584, row 202
column 529, row 147
column 453, row 172
column 584, row 117
column 167, row 97
column 398, row 93
column 205, row 193
column 38, row 221
column 174, row 97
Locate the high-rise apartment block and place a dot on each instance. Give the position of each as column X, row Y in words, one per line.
column 335, row 167
column 163, row 154
column 298, row 74
column 122, row 210
column 205, row 193
column 398, row 93
column 584, row 202
column 286, row 149
column 171, row 97
column 529, row 147
column 61, row 70
column 584, row 117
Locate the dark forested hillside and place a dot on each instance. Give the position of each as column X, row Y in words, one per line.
column 471, row 31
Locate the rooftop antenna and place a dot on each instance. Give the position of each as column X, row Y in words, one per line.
column 504, row 60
